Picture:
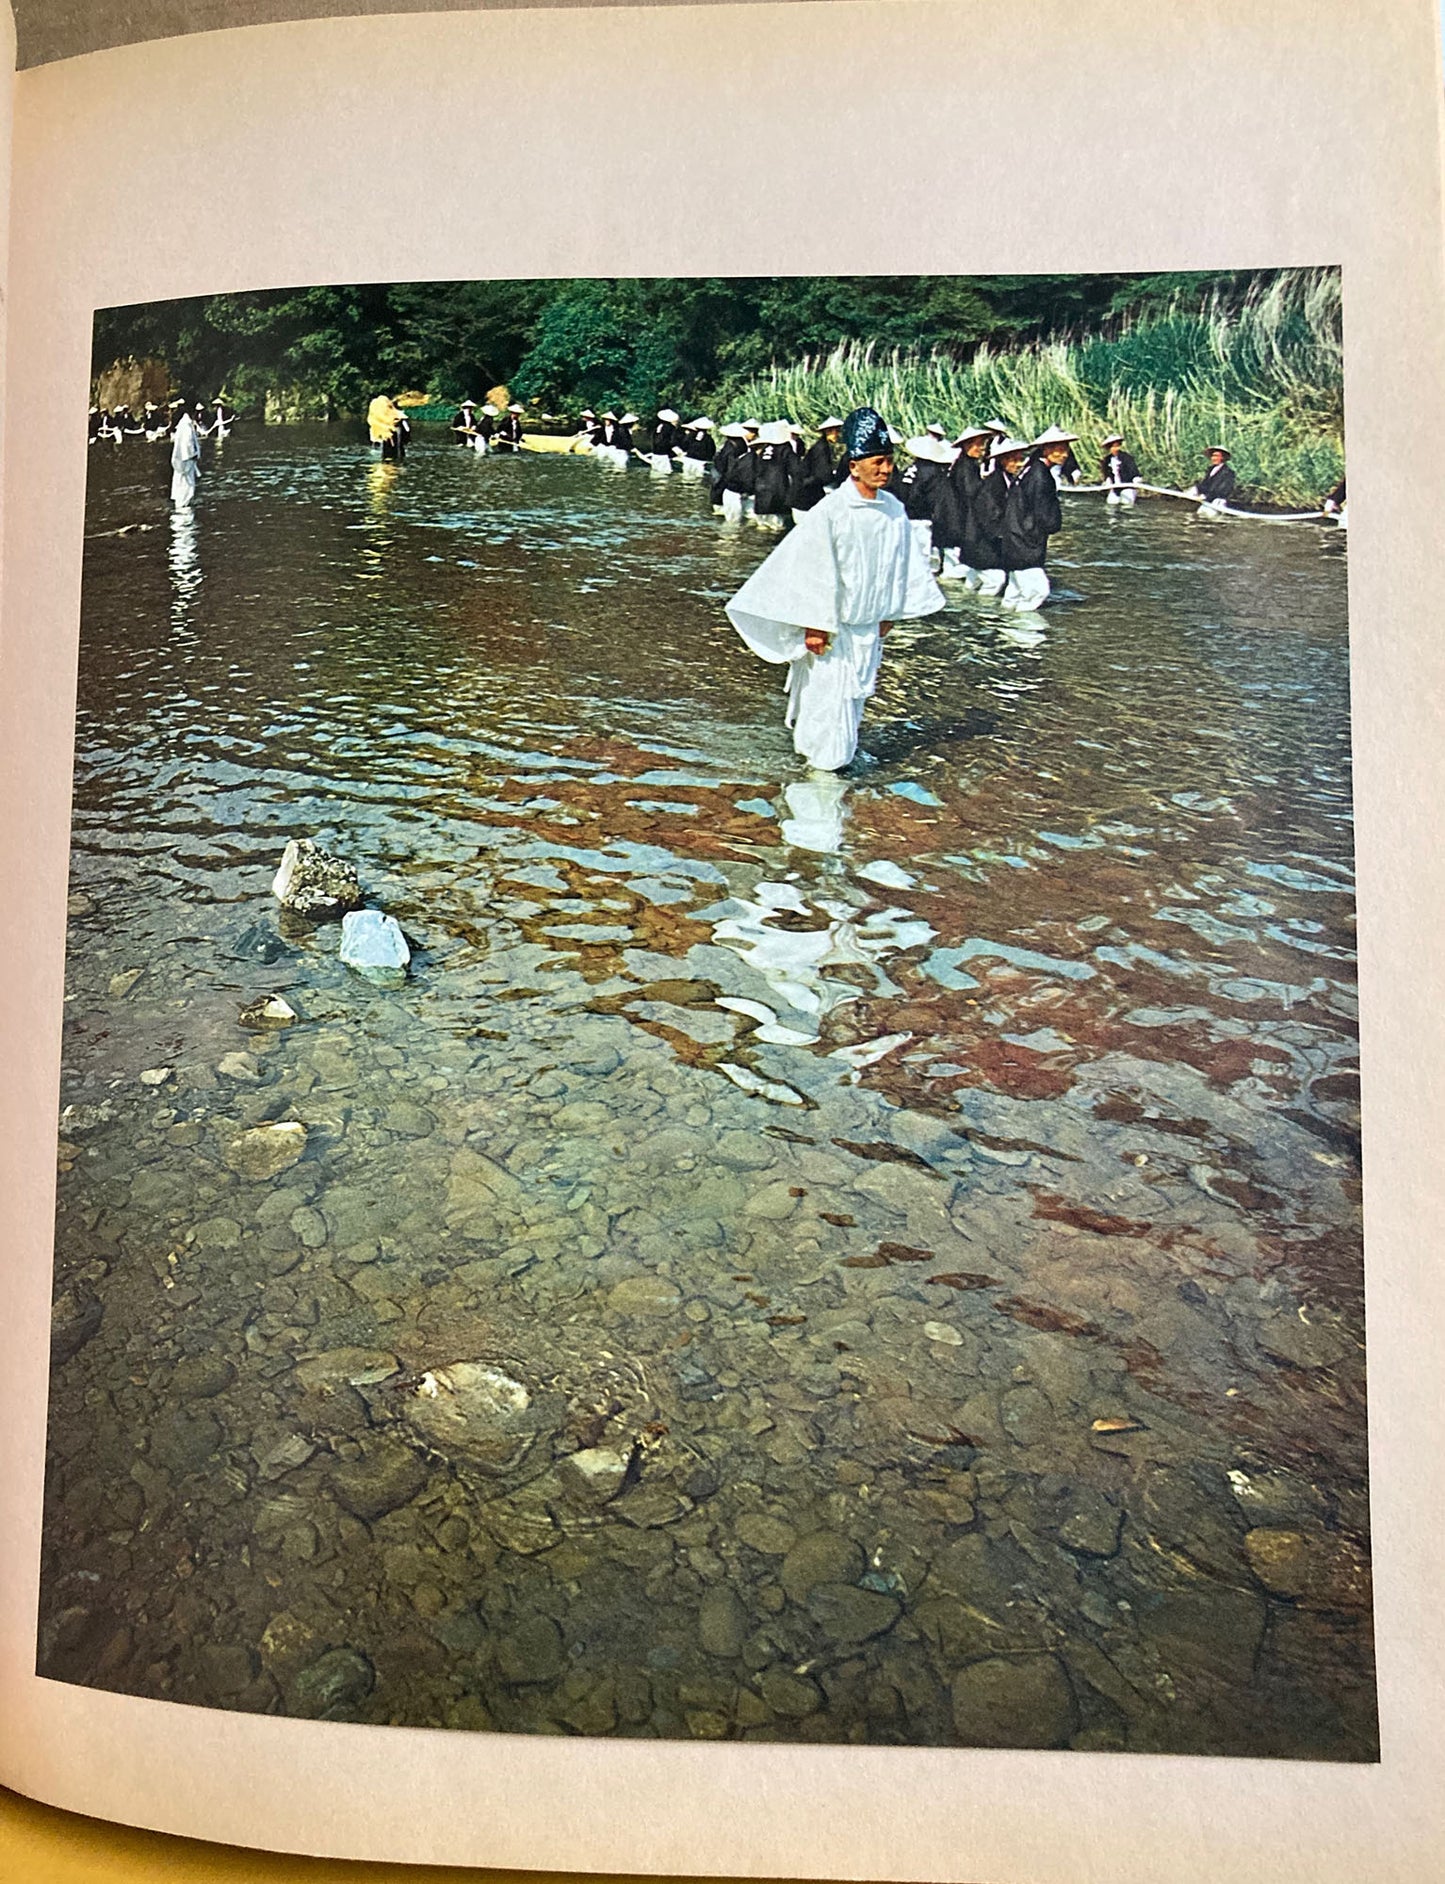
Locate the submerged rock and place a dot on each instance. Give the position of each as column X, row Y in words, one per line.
column 74, row 1319
column 477, row 1413
column 593, row 1477
column 335, row 1684
column 374, row 946
column 314, row 884
column 272, row 1010
column 1024, row 1701
column 387, row 1477
column 266, row 1150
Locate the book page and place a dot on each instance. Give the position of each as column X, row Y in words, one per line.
column 159, row 172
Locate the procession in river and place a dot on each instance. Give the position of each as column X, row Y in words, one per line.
column 710, row 1085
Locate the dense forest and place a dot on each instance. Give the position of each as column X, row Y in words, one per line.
column 323, row 352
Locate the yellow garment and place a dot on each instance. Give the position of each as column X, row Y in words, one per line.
column 383, row 416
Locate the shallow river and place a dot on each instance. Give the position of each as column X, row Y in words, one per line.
column 879, row 1265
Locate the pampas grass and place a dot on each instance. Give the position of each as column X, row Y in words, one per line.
column 1265, row 379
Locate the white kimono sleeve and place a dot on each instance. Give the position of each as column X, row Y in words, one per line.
column 798, row 587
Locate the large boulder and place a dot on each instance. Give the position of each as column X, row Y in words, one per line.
column 314, row 884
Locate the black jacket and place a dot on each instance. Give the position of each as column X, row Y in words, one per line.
column 1022, row 514
column 622, row 438
column 1128, row 468
column 917, row 488
column 961, row 515
column 814, row 475
column 664, row 437
column 1218, row 483
column 773, row 480
column 698, row 445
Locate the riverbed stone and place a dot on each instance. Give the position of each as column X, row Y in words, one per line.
column 760, row 1530
column 594, row 1476
column 1211, row 1629
column 644, row 1296
column 772, row 1203
column 201, row 1376
column 1090, row 1523
column 1014, row 1701
column 1306, row 1344
column 847, row 1614
column 722, row 1622
column 333, row 1686
column 822, row 1557
column 1313, row 1567
column 790, row 1695
column 265, row 1151
column 532, row 1652
column 385, row 1478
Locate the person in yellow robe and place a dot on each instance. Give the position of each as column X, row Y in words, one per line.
column 384, row 420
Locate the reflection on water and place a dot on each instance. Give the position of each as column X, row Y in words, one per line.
column 870, row 1260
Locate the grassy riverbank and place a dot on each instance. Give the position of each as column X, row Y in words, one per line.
column 1265, row 379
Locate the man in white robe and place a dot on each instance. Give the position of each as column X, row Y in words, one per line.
column 830, row 592
column 185, row 461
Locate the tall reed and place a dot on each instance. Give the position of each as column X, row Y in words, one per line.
column 1265, row 379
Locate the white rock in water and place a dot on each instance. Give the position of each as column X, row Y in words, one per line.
column 941, row 1331
column 155, row 1076
column 373, row 944
column 313, row 883
column 888, row 874
column 272, row 1011
column 595, row 1476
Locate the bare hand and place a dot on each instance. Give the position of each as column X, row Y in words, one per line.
column 884, row 627
column 815, row 641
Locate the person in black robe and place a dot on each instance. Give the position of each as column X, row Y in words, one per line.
column 666, row 439
column 917, row 487
column 509, row 432
column 1055, row 448
column 1334, row 504
column 697, row 447
column 1021, row 511
column 722, row 463
column 96, row 425
column 970, row 554
column 1218, row 484
column 773, row 475
column 819, row 470
column 1119, row 469
column 623, row 438
column 738, row 479
column 461, row 422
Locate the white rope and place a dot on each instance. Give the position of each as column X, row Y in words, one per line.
column 1193, row 497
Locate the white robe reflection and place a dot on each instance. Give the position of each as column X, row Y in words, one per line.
column 185, row 564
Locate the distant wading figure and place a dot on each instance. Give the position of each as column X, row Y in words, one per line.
column 830, row 592
column 185, row 461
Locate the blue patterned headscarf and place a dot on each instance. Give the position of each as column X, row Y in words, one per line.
column 865, row 435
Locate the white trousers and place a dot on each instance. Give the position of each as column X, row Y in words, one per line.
column 1126, row 498
column 767, row 521
column 736, row 505
column 693, row 467
column 986, row 581
column 1206, row 509
column 1026, row 589
column 827, row 693
column 660, row 462
column 183, row 484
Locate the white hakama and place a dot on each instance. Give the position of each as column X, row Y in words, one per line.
column 851, row 563
column 185, row 462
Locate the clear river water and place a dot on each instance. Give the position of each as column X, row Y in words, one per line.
column 869, row 1262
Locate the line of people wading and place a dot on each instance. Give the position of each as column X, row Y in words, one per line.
column 982, row 503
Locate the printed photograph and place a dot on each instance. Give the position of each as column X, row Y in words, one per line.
column 710, row 1074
